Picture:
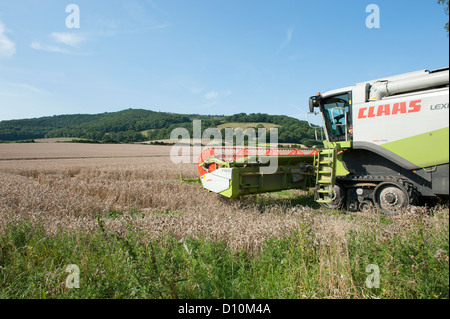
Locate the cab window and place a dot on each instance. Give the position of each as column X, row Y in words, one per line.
column 336, row 110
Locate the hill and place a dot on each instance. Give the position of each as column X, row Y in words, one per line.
column 137, row 125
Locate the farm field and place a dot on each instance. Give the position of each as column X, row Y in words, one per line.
column 121, row 214
column 50, row 150
column 243, row 126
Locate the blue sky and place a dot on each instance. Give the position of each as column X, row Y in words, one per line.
column 205, row 56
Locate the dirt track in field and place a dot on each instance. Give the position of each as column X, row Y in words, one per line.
column 72, row 150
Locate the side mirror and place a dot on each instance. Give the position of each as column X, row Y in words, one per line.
column 314, row 101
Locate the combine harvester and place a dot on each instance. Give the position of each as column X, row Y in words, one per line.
column 387, row 144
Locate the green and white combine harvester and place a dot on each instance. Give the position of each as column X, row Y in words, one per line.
column 387, row 145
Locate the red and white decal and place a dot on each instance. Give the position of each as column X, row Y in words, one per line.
column 388, row 109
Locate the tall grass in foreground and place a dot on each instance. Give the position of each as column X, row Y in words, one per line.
column 412, row 263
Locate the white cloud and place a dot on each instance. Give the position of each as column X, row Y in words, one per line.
column 62, row 42
column 71, row 39
column 214, row 94
column 187, row 83
column 28, row 87
column 7, row 47
column 211, row 95
column 226, row 93
column 51, row 48
column 159, row 26
column 22, row 86
column 289, row 33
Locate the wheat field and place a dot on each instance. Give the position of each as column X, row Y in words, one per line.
column 66, row 186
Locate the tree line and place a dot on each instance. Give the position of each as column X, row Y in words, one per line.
column 137, row 125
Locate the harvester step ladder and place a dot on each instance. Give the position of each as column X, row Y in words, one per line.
column 325, row 164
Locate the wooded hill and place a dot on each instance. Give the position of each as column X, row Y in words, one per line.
column 137, row 125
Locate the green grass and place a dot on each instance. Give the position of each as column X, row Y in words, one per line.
column 246, row 125
column 18, row 142
column 412, row 264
